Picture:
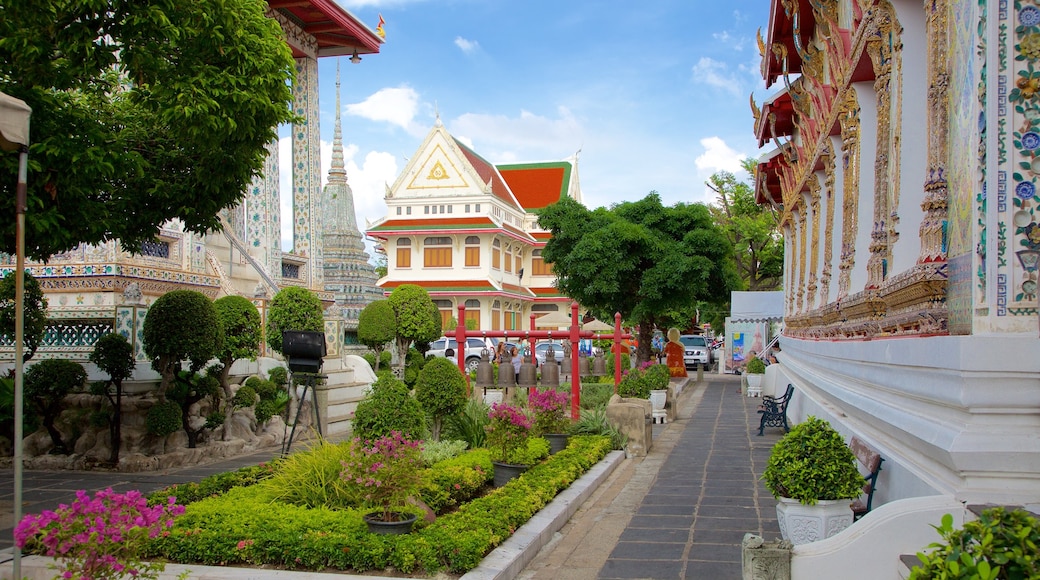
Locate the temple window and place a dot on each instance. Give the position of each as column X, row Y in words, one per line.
column 539, row 267
column 155, row 248
column 437, row 252
column 472, row 251
column 404, row 252
column 496, row 255
column 472, row 313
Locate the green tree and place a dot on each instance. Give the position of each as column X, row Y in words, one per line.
column 142, row 113
column 46, row 385
column 377, row 327
column 242, row 335
column 638, row 258
column 417, row 317
column 293, row 308
column 441, row 390
column 752, row 229
column 34, row 312
column 181, row 325
column 114, row 355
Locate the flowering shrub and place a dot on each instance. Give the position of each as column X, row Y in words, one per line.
column 508, row 431
column 550, row 411
column 99, row 537
column 388, row 469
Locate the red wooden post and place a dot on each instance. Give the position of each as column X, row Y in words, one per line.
column 575, row 372
column 460, row 343
column 617, row 348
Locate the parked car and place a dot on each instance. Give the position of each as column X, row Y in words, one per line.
column 697, row 351
column 448, row 348
column 542, row 348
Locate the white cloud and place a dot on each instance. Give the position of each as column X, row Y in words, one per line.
column 716, row 74
column 717, row 156
column 397, row 106
column 520, row 137
column 467, row 46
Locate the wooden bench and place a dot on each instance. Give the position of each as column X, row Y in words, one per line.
column 869, row 467
column 774, row 411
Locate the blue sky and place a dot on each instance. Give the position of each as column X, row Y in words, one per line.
column 654, row 94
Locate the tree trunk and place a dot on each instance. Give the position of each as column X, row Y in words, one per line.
column 115, row 427
column 59, row 445
column 646, row 337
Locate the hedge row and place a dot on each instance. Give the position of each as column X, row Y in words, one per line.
column 242, row 528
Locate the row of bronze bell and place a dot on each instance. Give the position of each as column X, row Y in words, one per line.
column 528, row 376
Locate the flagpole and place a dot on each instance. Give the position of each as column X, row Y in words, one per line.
column 19, row 346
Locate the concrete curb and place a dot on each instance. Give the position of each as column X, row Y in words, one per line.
column 510, row 558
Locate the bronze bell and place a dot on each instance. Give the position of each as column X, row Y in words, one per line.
column 583, row 365
column 599, row 365
column 550, row 370
column 565, row 364
column 506, row 376
column 485, row 372
column 528, row 373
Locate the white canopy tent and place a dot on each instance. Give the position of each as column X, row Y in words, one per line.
column 14, row 136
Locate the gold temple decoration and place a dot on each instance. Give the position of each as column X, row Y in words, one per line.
column 827, row 157
column 814, row 241
column 850, row 152
column 935, row 186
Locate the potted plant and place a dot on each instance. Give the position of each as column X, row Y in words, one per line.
column 814, row 476
column 551, row 420
column 756, row 368
column 656, row 377
column 633, row 385
column 508, row 432
column 388, row 471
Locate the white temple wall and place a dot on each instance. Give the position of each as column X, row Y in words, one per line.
column 952, row 415
column 837, row 196
column 867, row 152
column 913, row 159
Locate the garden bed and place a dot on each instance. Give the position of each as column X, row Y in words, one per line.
column 242, row 528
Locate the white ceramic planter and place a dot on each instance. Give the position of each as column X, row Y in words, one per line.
column 801, row 524
column 658, row 397
column 754, row 381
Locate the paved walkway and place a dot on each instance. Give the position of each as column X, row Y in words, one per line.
column 680, row 512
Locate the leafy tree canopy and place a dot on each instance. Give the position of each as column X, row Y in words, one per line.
column 142, row 113
column 417, row 316
column 293, row 308
column 242, row 328
column 639, row 258
column 752, row 229
column 181, row 325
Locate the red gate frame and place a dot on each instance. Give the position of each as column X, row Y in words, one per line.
column 573, row 334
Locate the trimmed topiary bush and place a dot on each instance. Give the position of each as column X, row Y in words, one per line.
column 756, row 366
column 163, row 418
column 377, row 327
column 293, row 308
column 244, row 397
column 812, row 463
column 46, row 384
column 181, row 325
column 441, row 390
column 114, row 355
column 634, row 385
column 34, row 312
column 417, row 316
column 389, row 407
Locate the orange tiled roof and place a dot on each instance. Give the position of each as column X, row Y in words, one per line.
column 487, row 172
column 536, row 185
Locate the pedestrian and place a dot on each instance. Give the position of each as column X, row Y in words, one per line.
column 516, row 364
column 499, row 351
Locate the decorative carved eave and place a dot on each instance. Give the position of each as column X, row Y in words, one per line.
column 336, row 32
column 784, row 16
column 777, row 118
column 767, row 179
column 922, row 286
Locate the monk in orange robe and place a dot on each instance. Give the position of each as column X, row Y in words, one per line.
column 674, row 353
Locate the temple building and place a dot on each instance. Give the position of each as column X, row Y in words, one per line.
column 96, row 289
column 349, row 276
column 465, row 230
column 904, row 153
